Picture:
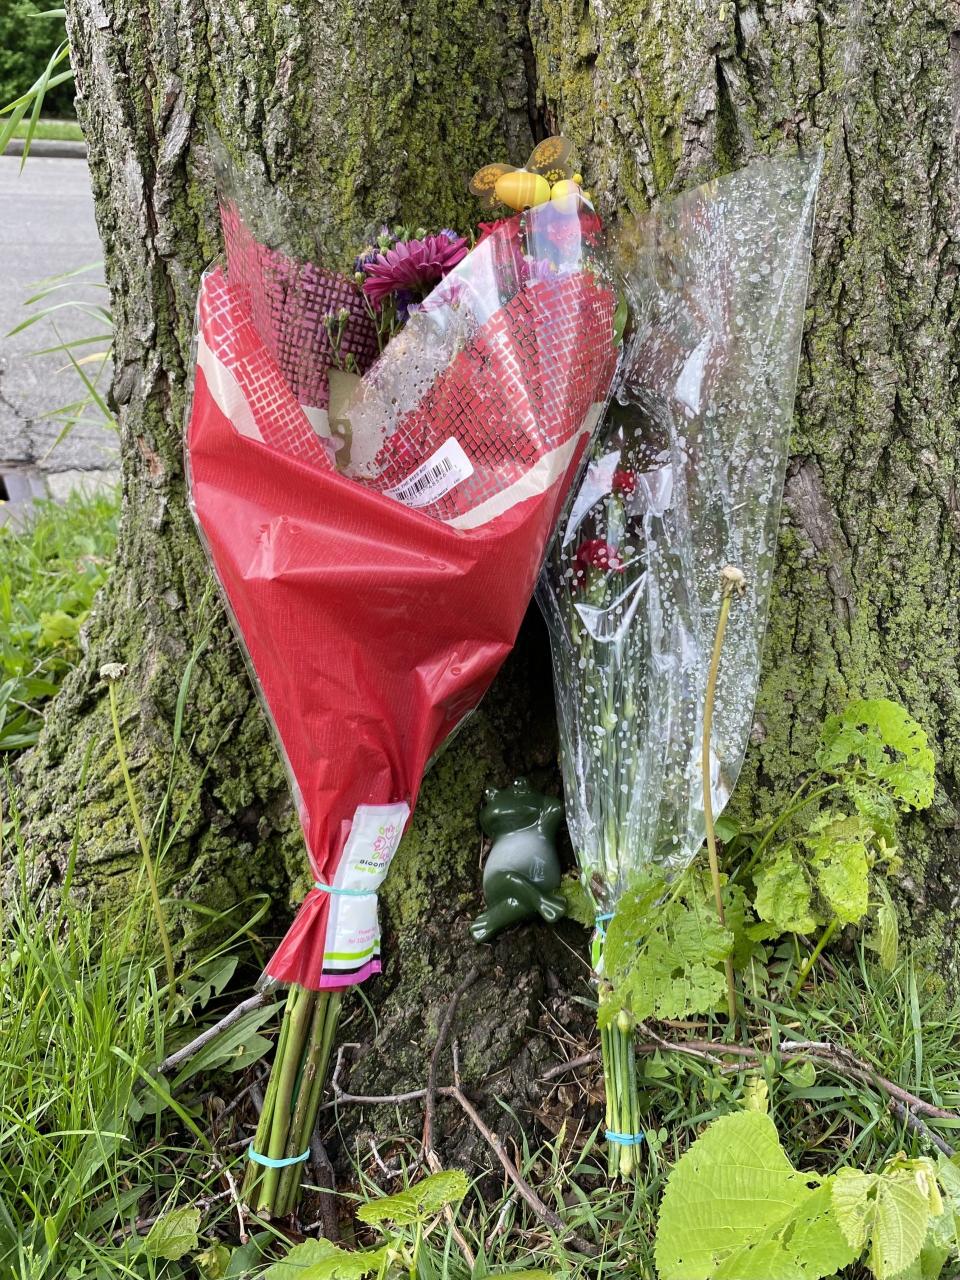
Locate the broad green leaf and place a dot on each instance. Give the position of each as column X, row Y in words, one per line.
column 784, row 896
column 418, row 1202
column 173, row 1235
column 807, row 1246
column 234, row 1049
column 887, row 743
column 888, row 1212
column 725, row 1194
column 323, row 1260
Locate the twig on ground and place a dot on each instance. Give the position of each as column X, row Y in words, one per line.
column 584, row 1060
column 252, row 1089
column 326, row 1182
column 142, row 1224
column 917, row 1125
column 430, row 1103
column 543, row 1211
column 235, row 1197
column 501, row 1223
column 183, row 1055
column 429, row 1109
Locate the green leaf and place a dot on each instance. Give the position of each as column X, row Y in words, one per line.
column 665, row 951
column 419, row 1202
column 885, row 936
column 234, row 1049
column 888, row 1212
column 948, row 1175
column 784, row 896
column 725, row 1194
column 887, row 744
column 579, row 903
column 801, row 1074
column 807, row 1246
column 173, row 1235
column 838, row 854
column 213, row 1262
column 323, row 1260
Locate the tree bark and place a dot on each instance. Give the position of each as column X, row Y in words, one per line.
column 368, row 112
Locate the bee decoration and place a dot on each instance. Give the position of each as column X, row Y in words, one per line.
column 549, row 174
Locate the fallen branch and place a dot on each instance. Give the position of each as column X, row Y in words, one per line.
column 431, row 1091
column 543, row 1211
column 188, row 1051
column 585, row 1060
column 917, row 1125
column 430, row 1103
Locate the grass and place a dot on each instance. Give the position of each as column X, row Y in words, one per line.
column 49, row 573
column 50, row 131
column 100, row 1155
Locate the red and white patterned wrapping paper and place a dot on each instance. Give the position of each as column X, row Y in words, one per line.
column 372, row 628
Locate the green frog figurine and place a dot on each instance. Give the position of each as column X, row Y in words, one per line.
column 522, row 872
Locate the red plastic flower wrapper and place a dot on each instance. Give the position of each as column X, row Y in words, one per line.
column 378, row 568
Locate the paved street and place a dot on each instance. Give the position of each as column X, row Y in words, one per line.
column 47, row 227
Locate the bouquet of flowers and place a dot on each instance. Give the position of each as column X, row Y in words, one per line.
column 376, row 463
column 679, row 507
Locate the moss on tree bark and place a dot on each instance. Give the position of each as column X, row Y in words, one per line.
column 360, row 112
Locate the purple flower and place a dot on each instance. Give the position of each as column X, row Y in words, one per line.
column 411, row 266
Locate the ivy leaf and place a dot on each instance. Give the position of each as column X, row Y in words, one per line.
column 888, row 745
column 784, row 897
column 416, row 1203
column 173, row 1235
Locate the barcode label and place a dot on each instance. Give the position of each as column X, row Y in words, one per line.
column 435, row 477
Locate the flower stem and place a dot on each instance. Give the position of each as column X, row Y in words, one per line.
column 144, row 848
column 732, row 581
column 814, row 955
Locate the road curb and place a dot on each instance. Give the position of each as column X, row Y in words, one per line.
column 48, row 148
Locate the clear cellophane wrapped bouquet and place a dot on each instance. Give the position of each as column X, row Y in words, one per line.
column 684, row 482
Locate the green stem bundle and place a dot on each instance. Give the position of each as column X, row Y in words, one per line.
column 623, row 1105
column 292, row 1100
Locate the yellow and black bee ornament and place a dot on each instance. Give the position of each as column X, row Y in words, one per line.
column 549, row 174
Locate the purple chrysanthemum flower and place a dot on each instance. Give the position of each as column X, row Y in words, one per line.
column 412, row 265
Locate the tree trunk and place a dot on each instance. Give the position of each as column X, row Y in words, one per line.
column 369, row 112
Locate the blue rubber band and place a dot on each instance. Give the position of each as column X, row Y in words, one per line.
column 269, row 1163
column 624, row 1139
column 350, row 893
column 601, row 921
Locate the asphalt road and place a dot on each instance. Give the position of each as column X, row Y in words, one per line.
column 46, row 228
